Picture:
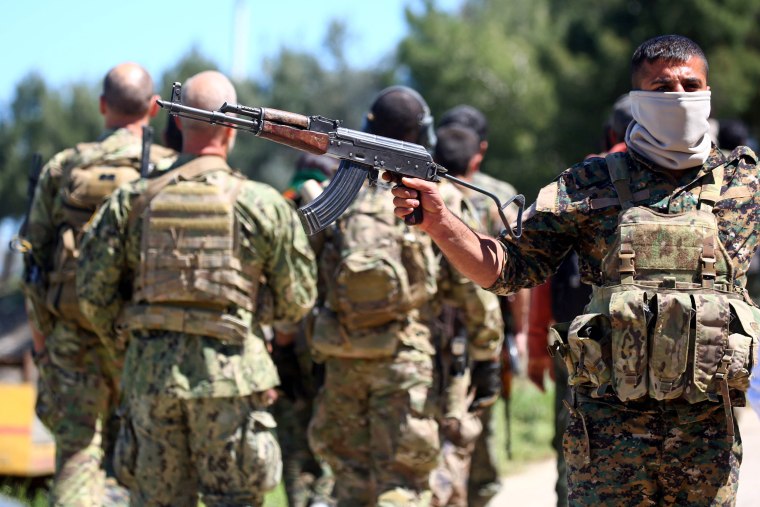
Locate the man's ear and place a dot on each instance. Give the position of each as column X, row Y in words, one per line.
column 154, row 107
column 474, row 165
column 102, row 105
column 483, row 147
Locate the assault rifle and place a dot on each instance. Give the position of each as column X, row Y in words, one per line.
column 19, row 242
column 362, row 156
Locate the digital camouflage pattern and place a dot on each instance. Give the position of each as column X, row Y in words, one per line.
column 173, row 371
column 79, row 382
column 185, row 365
column 583, row 200
column 650, row 456
column 223, row 447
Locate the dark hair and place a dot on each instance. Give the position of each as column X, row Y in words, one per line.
column 620, row 117
column 400, row 112
column 732, row 133
column 675, row 48
column 455, row 148
column 128, row 93
column 466, row 116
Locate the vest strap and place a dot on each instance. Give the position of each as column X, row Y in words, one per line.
column 710, row 191
column 189, row 171
column 617, row 167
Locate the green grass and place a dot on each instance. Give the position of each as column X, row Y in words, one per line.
column 532, row 414
column 31, row 492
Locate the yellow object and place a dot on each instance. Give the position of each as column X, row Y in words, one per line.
column 26, row 448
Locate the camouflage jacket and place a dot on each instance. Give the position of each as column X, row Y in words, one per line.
column 185, row 365
column 46, row 214
column 579, row 211
column 480, row 310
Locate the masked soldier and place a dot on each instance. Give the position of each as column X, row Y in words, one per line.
column 665, row 233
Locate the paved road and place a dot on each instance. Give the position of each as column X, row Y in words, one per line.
column 534, row 486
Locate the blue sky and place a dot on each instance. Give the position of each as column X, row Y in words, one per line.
column 76, row 40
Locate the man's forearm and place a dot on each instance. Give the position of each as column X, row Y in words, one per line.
column 477, row 256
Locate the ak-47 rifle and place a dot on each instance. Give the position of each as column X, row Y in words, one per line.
column 362, row 156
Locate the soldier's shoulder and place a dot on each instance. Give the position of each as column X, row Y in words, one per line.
column 493, row 184
column 162, row 157
column 256, row 194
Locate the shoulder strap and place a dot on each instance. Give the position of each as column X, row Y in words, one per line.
column 617, row 167
column 709, row 194
column 189, row 171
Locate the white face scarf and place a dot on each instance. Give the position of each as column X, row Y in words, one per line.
column 670, row 128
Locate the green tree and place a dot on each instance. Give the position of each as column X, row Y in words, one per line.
column 489, row 55
column 41, row 121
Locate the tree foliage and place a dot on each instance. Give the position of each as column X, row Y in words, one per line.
column 544, row 71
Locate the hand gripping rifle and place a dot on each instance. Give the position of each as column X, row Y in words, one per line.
column 362, row 156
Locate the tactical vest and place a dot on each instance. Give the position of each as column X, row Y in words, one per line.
column 377, row 272
column 668, row 322
column 191, row 278
column 84, row 186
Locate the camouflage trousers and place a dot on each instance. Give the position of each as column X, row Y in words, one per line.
column 307, row 477
column 484, row 482
column 449, row 480
column 651, row 457
column 375, row 426
column 222, row 448
column 561, row 415
column 77, row 398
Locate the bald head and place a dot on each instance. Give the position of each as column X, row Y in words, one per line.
column 206, row 90
column 128, row 91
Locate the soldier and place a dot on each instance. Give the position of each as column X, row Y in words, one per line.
column 184, row 268
column 666, row 348
column 308, row 478
column 484, row 478
column 458, row 149
column 375, row 421
column 79, row 381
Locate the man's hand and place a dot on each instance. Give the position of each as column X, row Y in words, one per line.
column 412, row 193
column 486, row 379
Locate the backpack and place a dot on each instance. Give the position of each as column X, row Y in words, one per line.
column 383, row 269
column 96, row 171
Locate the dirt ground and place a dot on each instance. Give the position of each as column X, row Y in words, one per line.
column 534, row 486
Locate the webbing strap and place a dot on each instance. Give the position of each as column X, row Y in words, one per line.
column 709, row 193
column 617, row 167
column 192, row 169
column 184, row 320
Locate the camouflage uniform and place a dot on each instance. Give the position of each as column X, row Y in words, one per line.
column 308, row 478
column 79, row 381
column 481, row 315
column 375, row 421
column 644, row 451
column 484, row 477
column 197, row 416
